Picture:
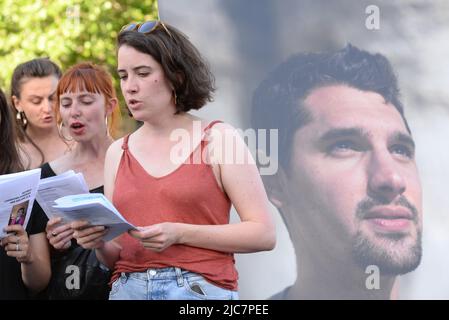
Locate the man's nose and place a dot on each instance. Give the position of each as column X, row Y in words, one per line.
column 385, row 181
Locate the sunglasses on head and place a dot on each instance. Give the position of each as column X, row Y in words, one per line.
column 145, row 27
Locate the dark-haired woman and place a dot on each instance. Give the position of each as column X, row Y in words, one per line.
column 33, row 87
column 177, row 190
column 24, row 254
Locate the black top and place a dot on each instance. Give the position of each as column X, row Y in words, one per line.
column 96, row 290
column 37, row 211
column 47, row 171
column 11, row 284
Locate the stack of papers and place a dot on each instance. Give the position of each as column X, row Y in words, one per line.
column 17, row 194
column 95, row 208
column 55, row 187
column 65, row 195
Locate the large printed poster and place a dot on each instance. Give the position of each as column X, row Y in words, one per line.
column 370, row 219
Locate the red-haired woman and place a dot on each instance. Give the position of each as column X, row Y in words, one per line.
column 87, row 107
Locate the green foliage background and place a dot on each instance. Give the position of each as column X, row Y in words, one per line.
column 66, row 31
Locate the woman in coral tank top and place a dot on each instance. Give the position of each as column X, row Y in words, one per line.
column 176, row 178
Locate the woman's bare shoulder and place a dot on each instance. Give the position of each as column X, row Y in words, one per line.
column 115, row 150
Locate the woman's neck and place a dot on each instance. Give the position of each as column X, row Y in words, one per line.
column 92, row 149
column 165, row 125
column 42, row 135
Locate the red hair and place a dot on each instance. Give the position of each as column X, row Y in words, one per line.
column 86, row 76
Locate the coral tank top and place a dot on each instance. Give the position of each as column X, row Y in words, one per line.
column 189, row 194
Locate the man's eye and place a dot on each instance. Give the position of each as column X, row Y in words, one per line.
column 122, row 76
column 403, row 151
column 343, row 147
column 143, row 74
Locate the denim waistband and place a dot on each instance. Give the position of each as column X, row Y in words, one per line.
column 160, row 274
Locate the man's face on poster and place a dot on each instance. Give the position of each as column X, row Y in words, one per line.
column 353, row 186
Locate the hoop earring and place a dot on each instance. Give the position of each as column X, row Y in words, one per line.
column 61, row 134
column 22, row 119
column 107, row 128
column 175, row 97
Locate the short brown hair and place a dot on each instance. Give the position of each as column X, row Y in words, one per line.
column 278, row 100
column 181, row 62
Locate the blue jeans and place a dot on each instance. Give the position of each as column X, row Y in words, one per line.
column 167, row 284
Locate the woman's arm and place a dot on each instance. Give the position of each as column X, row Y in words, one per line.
column 36, row 272
column 33, row 254
column 243, row 185
column 90, row 237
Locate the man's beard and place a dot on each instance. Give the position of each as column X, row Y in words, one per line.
column 393, row 254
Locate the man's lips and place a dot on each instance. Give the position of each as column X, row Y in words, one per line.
column 389, row 212
column 388, row 219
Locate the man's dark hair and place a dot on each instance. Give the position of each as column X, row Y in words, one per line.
column 277, row 102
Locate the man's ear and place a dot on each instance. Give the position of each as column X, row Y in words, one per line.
column 276, row 187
